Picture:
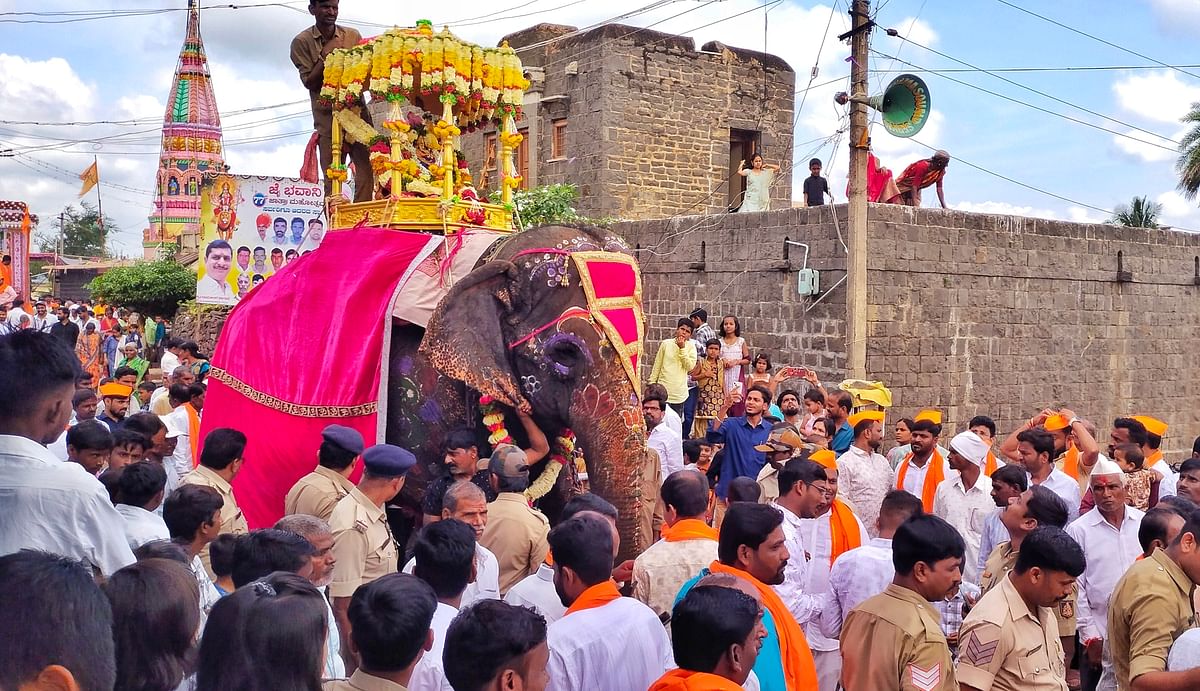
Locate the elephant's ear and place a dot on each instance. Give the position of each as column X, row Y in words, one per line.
column 465, row 336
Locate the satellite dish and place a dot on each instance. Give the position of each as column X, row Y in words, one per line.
column 904, row 105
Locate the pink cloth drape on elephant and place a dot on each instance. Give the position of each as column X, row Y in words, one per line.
column 304, row 350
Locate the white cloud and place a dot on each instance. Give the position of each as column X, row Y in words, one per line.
column 1177, row 211
column 1146, row 147
column 48, row 90
column 1177, row 16
column 1005, row 208
column 1160, row 96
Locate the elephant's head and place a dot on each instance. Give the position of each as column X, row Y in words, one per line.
column 551, row 322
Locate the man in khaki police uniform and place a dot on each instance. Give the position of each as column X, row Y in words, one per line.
column 220, row 462
column 515, row 533
column 362, row 540
column 1150, row 607
column 318, row 492
column 1010, row 641
column 894, row 640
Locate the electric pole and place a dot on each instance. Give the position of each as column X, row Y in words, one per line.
column 856, row 261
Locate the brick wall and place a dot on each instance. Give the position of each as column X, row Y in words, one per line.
column 971, row 313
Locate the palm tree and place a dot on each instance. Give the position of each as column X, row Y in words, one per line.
column 1139, row 213
column 1188, row 165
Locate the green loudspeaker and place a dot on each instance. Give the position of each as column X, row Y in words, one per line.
column 904, row 105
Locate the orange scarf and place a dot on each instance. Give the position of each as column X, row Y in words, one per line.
column 596, row 596
column 688, row 529
column 933, row 477
column 990, row 465
column 193, row 432
column 687, row 680
column 798, row 667
column 1154, row 457
column 843, row 528
column 1071, row 461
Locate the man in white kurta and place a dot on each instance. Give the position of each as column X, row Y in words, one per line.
column 965, row 499
column 486, row 585
column 537, row 592
column 864, row 476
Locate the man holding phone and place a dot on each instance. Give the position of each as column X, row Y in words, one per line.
column 675, row 358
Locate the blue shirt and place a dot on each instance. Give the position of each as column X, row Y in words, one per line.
column 741, row 460
column 769, row 665
column 842, row 439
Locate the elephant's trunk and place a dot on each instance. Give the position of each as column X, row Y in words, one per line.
column 612, row 432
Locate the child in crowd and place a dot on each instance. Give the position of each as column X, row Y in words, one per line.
column 128, row 447
column 220, row 551
column 1141, row 484
column 814, row 403
column 707, row 373
column 744, row 489
column 90, row 444
column 815, row 186
column 698, row 455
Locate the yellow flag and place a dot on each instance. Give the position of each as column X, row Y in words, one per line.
column 90, row 178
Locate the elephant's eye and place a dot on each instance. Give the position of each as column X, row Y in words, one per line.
column 566, row 354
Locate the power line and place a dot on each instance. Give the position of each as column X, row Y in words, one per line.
column 1065, row 68
column 96, row 15
column 145, row 120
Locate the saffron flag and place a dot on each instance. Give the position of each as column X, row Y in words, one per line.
column 90, row 177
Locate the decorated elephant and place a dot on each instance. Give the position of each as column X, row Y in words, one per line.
column 548, row 321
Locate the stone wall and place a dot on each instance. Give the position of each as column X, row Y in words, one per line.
column 971, row 313
column 648, row 118
column 200, row 323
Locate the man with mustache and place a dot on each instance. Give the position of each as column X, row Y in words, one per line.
column 1016, row 616
column 320, row 536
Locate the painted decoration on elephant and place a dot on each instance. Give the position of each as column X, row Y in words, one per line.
column 250, row 228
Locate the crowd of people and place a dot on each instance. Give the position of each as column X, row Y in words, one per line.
column 792, row 554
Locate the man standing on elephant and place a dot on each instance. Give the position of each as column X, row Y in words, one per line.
column 676, row 357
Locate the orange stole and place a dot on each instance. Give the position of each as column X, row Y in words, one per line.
column 843, row 529
column 1154, row 457
column 596, row 596
column 990, row 465
column 933, row 477
column 798, row 667
column 687, row 680
column 1071, row 461
column 193, row 432
column 688, row 529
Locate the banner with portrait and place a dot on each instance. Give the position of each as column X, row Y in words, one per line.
column 250, row 227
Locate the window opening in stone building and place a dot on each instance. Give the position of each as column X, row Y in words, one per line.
column 490, row 177
column 558, row 138
column 523, row 158
column 742, row 145
column 490, row 161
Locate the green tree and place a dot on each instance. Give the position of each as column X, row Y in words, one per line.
column 1188, row 165
column 80, row 231
column 548, row 204
column 1138, row 213
column 152, row 288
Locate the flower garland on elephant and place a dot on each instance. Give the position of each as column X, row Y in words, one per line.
column 561, row 454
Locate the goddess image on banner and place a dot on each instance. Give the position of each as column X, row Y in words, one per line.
column 250, row 228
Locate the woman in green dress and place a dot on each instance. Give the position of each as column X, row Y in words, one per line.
column 132, row 360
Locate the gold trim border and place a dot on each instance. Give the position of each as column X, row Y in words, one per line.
column 294, row 409
column 597, row 305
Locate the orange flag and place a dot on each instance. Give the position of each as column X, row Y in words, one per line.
column 90, row 178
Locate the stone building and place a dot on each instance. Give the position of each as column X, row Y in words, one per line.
column 643, row 123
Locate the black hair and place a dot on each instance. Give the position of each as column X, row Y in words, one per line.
column 487, row 638
column 196, row 389
column 1041, row 441
column 145, row 423
column 82, row 395
column 1195, row 446
column 141, row 482
column 862, row 426
column 125, row 437
column 926, row 426
column 216, row 244
column 90, row 435
column 1183, row 505
column 1132, row 453
column 445, row 552
column 1137, row 431
column 654, row 394
column 898, row 505
column 192, row 348
column 925, row 538
column 712, row 342
column 691, row 449
column 983, row 421
column 799, row 470
column 786, row 392
column 124, row 372
column 700, row 313
column 1188, row 466
column 815, row 395
column 844, row 399
column 34, row 365
column 706, row 622
column 745, row 524
column 461, row 438
column 1153, row 440
column 684, row 321
column 1050, row 549
column 156, row 612
column 53, row 613
column 268, row 635
column 584, row 544
column 220, row 554
column 334, row 457
column 179, row 393
column 762, row 391
column 907, row 422
column 687, row 492
column 243, row 247
column 766, row 358
column 262, row 552
column 1046, row 507
column 1013, row 475
column 222, row 447
column 1154, row 524
column 1191, row 525
column 737, row 325
column 814, row 162
column 588, row 501
column 188, row 508
column 389, row 621
column 108, row 479
column 744, row 489
column 163, row 549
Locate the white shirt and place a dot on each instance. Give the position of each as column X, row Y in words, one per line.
column 429, row 674
column 208, row 592
column 620, row 646
column 857, row 575
column 211, row 289
column 57, row 507
column 1110, row 552
column 914, row 479
column 43, row 324
column 169, row 362
column 966, row 510
column 58, row 447
column 536, row 591
column 142, row 526
column 1167, row 486
column 181, row 458
column 994, row 533
column 863, row 479
column 669, row 446
column 671, row 419
column 486, row 585
column 335, row 667
column 1064, row 486
column 816, row 534
column 14, row 317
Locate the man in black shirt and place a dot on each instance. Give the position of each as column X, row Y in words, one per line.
column 461, row 459
column 815, row 186
column 64, row 329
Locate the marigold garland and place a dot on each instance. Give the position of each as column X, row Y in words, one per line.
column 562, row 453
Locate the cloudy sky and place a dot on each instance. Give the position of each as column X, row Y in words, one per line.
column 1110, row 133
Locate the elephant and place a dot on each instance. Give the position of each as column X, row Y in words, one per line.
column 531, row 329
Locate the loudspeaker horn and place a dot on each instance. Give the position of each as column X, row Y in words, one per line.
column 904, row 104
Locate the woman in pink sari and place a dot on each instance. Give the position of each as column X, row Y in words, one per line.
column 880, row 185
